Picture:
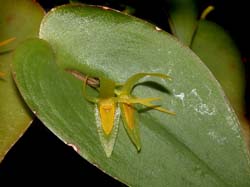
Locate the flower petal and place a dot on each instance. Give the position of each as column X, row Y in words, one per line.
column 131, row 124
column 107, row 138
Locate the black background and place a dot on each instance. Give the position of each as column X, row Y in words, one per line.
column 39, row 157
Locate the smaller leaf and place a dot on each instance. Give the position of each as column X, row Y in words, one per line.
column 19, row 20
column 183, row 19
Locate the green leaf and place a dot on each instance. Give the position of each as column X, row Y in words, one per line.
column 201, row 145
column 216, row 48
column 19, row 19
column 183, row 16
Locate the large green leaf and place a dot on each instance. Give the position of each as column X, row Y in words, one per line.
column 19, row 19
column 216, row 48
column 201, row 146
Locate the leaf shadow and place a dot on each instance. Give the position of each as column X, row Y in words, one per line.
column 156, row 86
column 2, row 79
column 6, row 52
column 146, row 109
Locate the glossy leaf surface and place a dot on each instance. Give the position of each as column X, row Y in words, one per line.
column 201, row 145
column 219, row 52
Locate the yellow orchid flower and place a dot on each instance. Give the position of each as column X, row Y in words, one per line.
column 115, row 99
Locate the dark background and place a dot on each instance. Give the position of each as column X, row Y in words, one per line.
column 40, row 158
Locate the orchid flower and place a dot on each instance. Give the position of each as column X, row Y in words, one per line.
column 115, row 100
